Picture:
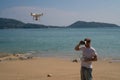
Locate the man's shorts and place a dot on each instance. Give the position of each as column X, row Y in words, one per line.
column 86, row 73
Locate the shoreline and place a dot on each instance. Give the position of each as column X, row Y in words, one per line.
column 9, row 57
column 69, row 57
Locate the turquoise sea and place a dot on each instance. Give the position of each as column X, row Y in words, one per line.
column 60, row 42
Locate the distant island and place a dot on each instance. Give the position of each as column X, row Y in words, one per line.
column 12, row 23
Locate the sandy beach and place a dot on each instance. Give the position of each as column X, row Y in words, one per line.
column 47, row 68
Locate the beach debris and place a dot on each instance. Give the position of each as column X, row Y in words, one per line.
column 75, row 60
column 23, row 56
column 49, row 75
column 12, row 57
column 4, row 55
column 8, row 58
column 110, row 61
column 114, row 60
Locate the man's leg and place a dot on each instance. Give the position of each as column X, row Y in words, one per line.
column 86, row 73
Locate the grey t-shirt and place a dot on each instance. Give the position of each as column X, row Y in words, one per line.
column 87, row 53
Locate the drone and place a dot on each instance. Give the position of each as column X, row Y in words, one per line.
column 36, row 16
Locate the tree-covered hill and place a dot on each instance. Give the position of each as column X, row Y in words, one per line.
column 12, row 23
column 83, row 24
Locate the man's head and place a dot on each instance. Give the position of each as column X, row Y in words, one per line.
column 87, row 42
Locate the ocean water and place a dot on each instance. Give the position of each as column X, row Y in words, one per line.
column 60, row 42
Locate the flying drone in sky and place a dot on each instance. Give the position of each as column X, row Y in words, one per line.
column 36, row 16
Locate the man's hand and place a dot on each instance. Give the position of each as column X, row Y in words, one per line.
column 91, row 59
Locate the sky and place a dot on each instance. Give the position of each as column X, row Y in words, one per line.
column 62, row 12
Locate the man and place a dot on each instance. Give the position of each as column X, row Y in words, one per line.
column 88, row 55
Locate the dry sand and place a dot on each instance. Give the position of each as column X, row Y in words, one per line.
column 56, row 69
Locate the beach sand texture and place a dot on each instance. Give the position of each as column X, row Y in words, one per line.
column 56, row 68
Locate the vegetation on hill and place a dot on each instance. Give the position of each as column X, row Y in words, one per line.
column 83, row 24
column 12, row 23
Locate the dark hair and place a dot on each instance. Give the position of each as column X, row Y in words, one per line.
column 87, row 40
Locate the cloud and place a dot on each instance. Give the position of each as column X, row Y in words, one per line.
column 51, row 16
